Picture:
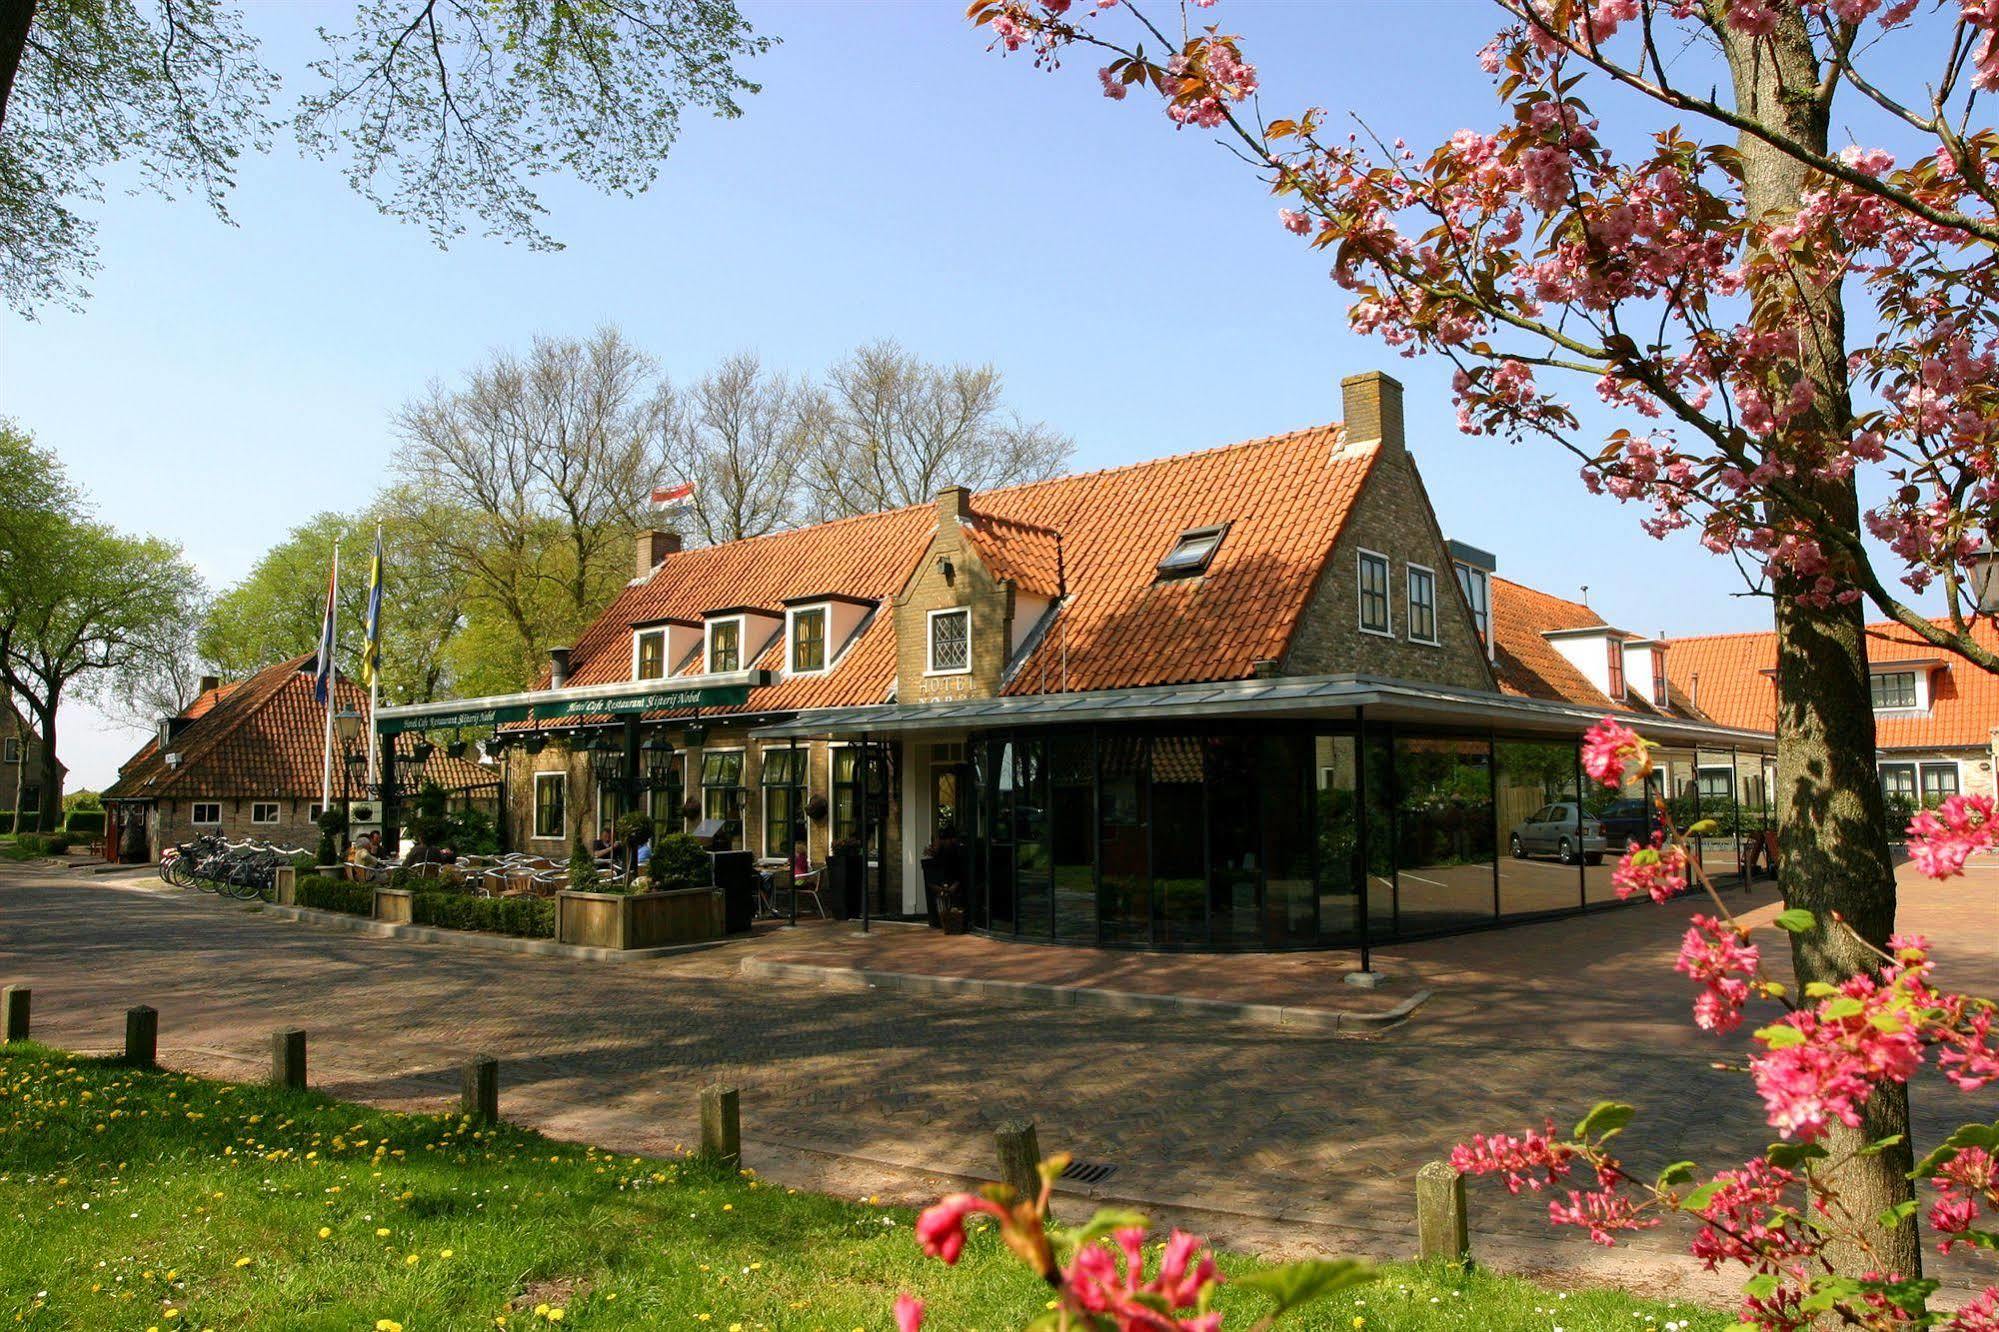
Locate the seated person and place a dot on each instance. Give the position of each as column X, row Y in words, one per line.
column 801, row 864
column 360, row 853
column 601, row 846
column 645, row 853
column 419, row 853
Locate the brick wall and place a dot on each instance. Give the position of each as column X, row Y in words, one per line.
column 927, row 590
column 1391, row 517
column 172, row 822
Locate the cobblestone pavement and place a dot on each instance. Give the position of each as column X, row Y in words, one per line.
column 1268, row 1132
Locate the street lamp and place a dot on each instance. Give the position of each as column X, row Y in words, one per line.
column 1983, row 567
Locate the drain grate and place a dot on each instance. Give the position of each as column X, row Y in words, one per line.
column 1088, row 1172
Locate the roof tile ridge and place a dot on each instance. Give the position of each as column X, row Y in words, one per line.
column 254, row 702
column 1282, row 437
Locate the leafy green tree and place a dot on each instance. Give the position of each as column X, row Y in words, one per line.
column 82, row 606
column 440, row 110
column 274, row 612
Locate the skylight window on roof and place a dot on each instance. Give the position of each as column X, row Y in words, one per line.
column 1191, row 552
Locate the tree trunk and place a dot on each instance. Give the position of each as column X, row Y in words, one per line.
column 16, row 17
column 1832, row 831
column 50, row 814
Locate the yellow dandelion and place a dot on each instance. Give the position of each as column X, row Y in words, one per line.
column 444, row 1253
column 381, row 1232
column 728, row 1207
column 413, row 1259
column 387, row 1325
column 555, row 1315
column 325, row 1231
column 245, row 1260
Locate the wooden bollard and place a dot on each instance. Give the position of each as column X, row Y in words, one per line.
column 722, row 1124
column 288, row 1059
column 479, row 1089
column 1441, row 1228
column 1019, row 1158
column 284, row 885
column 142, row 1036
column 14, row 1011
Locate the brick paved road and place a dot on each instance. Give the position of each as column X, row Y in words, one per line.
column 1322, row 1133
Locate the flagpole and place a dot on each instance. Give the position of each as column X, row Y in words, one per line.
column 331, row 669
column 377, row 574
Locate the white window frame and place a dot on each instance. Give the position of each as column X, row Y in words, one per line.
column 930, row 666
column 313, row 811
column 824, row 610
column 1476, row 585
column 665, row 666
column 534, row 814
column 742, row 777
column 1917, row 674
column 1409, row 569
column 194, row 814
column 708, row 640
column 1361, row 557
column 257, row 806
column 1925, row 767
column 10, row 749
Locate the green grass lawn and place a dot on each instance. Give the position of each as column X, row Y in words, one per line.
column 154, row 1200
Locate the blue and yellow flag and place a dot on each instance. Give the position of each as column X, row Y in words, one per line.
column 371, row 647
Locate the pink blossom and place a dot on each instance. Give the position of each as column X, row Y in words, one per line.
column 1839, row 1055
column 1609, row 747
column 1294, row 221
column 1981, row 1315
column 908, row 1314
column 941, row 1227
column 1968, row 1056
column 1747, row 1221
column 1940, row 841
column 1113, row 89
column 1718, row 955
column 1966, row 1184
column 1602, row 1212
column 1098, row 1284
column 1658, row 870
column 1528, row 1162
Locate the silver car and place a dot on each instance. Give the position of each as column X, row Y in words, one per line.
column 1554, row 830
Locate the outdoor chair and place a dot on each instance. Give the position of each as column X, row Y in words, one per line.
column 804, row 885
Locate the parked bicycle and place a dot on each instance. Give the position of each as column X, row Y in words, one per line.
column 214, row 864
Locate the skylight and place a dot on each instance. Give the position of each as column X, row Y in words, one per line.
column 1191, row 552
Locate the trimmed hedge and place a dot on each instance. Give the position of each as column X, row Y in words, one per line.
column 533, row 917
column 323, row 892
column 84, row 823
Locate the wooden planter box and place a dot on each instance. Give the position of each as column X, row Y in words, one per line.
column 638, row 920
column 284, row 886
column 394, row 906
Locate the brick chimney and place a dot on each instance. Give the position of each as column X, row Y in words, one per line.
column 655, row 546
column 558, row 667
column 1372, row 406
column 954, row 504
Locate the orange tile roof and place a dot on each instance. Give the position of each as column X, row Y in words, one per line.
column 1527, row 664
column 1284, row 499
column 261, row 737
column 1738, row 686
column 1028, row 556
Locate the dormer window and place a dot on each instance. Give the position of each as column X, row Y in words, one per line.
column 1894, row 689
column 1661, row 695
column 805, row 639
column 1615, row 648
column 649, row 654
column 1192, row 550
column 725, row 646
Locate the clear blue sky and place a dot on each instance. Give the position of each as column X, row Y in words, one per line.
column 892, row 179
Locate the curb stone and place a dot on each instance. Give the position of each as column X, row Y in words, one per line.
column 1080, row 996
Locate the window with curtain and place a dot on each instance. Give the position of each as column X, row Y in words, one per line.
column 650, row 658
column 808, row 639
column 1893, row 689
column 784, row 799
column 722, row 786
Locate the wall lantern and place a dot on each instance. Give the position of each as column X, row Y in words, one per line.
column 347, row 725
column 1983, row 566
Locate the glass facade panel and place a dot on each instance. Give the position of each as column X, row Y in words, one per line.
column 1234, row 850
column 1072, row 813
column 999, row 859
column 1533, row 781
column 1179, row 843
column 1378, row 800
column 1338, row 830
column 1121, row 840
column 1031, row 854
column 1290, row 894
column 1443, row 833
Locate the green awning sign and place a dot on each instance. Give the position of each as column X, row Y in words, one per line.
column 556, row 710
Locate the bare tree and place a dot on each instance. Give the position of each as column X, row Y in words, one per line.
column 740, row 434
column 531, row 476
column 898, row 429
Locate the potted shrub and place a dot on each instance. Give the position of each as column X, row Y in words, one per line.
column 456, row 749
column 815, row 808
column 690, row 808
column 535, row 742
column 332, row 823
column 634, row 831
column 421, row 751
